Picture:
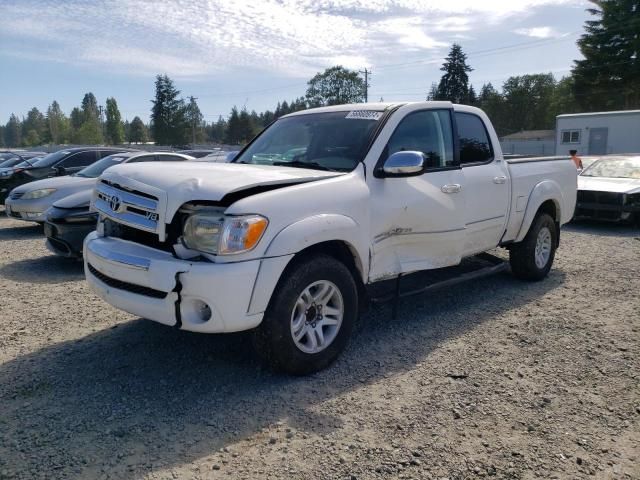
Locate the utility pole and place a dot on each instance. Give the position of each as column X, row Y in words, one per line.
column 366, row 84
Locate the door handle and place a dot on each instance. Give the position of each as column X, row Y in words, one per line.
column 451, row 188
column 500, row 180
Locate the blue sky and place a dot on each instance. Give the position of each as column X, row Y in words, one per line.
column 256, row 53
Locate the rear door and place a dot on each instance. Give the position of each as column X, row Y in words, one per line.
column 77, row 161
column 598, row 138
column 486, row 185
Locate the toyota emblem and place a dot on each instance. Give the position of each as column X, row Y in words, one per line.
column 115, row 203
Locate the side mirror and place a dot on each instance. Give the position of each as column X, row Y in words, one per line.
column 404, row 164
column 60, row 171
column 231, row 156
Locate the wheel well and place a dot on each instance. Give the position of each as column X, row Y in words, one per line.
column 346, row 254
column 549, row 207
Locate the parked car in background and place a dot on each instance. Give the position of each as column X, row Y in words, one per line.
column 219, row 156
column 609, row 189
column 60, row 163
column 10, row 161
column 30, row 201
column 69, row 219
column 198, row 153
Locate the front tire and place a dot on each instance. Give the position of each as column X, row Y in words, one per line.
column 310, row 317
column 532, row 258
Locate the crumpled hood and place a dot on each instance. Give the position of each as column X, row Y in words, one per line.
column 72, row 183
column 187, row 181
column 604, row 184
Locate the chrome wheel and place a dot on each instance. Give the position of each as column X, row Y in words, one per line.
column 317, row 317
column 543, row 247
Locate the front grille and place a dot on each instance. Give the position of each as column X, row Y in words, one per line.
column 130, row 207
column 604, row 198
column 119, row 230
column 17, row 195
column 126, row 286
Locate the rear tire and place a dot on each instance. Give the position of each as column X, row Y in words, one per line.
column 310, row 317
column 532, row 258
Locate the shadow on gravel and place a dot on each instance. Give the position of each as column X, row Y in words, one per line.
column 48, row 269
column 21, row 233
column 141, row 396
column 602, row 229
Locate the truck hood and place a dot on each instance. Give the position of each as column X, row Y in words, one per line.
column 187, row 181
column 58, row 183
column 604, row 184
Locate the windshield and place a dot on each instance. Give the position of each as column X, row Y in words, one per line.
column 94, row 170
column 615, row 168
column 51, row 158
column 322, row 141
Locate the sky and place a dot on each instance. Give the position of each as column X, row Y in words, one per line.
column 254, row 54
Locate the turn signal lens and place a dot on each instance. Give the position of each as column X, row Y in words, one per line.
column 241, row 234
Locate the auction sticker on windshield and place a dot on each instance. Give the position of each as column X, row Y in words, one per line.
column 364, row 115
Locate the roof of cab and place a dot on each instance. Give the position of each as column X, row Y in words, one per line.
column 380, row 106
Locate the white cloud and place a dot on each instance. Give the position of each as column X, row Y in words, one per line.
column 191, row 38
column 538, row 32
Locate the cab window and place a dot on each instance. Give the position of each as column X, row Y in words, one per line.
column 427, row 131
column 80, row 159
column 475, row 146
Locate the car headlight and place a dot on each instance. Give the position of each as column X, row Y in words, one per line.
column 43, row 192
column 223, row 235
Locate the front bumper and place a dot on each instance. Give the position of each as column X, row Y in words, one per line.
column 67, row 239
column 29, row 210
column 154, row 284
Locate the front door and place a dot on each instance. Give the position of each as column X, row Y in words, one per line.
column 486, row 186
column 598, row 141
column 417, row 222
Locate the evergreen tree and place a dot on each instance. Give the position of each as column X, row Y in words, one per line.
column 234, row 134
column 492, row 102
column 168, row 123
column 454, row 84
column 77, row 118
column 609, row 76
column 34, row 128
column 13, row 132
column 245, row 126
column 335, row 86
column 528, row 101
column 115, row 128
column 473, row 98
column 2, row 128
column 57, row 123
column 433, row 92
column 194, row 120
column 137, row 131
column 90, row 132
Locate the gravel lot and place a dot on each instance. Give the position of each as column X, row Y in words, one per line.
column 495, row 378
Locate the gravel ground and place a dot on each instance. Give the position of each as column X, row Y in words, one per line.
column 495, row 378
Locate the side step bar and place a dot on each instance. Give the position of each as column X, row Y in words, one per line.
column 487, row 265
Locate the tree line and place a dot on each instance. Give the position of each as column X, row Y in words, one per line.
column 607, row 79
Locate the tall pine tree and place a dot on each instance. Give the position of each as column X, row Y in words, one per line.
column 168, row 123
column 454, row 84
column 115, row 129
column 609, row 76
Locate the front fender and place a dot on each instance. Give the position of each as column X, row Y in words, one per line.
column 298, row 236
column 542, row 192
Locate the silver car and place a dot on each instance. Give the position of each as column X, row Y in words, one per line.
column 30, row 201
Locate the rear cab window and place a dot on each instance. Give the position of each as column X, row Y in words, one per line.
column 475, row 145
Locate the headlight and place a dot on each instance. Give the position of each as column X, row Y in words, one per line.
column 43, row 192
column 217, row 234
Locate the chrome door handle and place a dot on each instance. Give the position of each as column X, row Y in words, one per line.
column 451, row 188
column 500, row 180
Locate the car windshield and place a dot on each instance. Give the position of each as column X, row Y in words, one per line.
column 334, row 141
column 94, row 170
column 622, row 167
column 50, row 159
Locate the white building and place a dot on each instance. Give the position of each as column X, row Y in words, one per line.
column 598, row 133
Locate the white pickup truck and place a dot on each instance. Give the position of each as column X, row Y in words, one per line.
column 291, row 236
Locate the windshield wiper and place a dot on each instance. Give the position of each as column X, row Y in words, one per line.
column 300, row 164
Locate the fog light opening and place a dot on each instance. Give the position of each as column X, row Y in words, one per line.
column 203, row 311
